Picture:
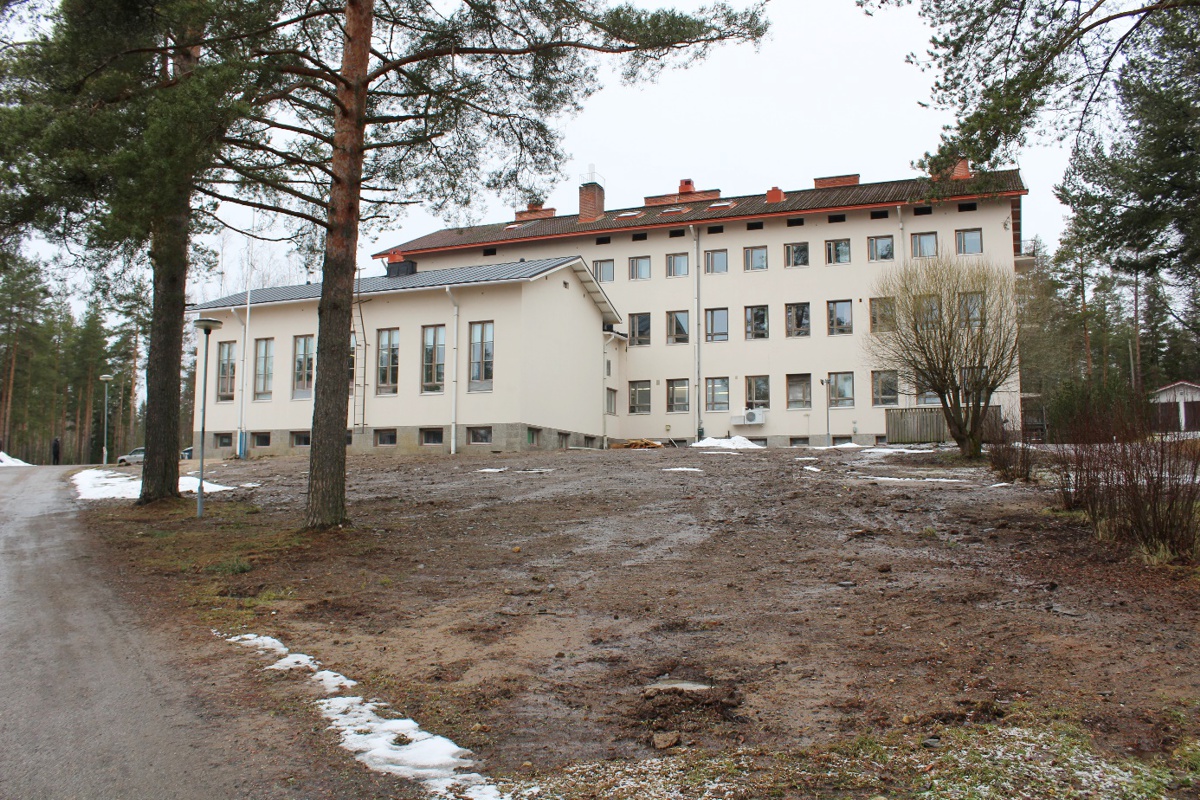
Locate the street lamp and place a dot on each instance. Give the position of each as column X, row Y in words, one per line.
column 207, row 325
column 105, row 379
column 828, row 432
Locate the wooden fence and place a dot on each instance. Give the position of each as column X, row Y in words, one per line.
column 926, row 425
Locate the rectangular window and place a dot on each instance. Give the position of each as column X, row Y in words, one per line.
column 483, row 355
column 841, row 322
column 833, row 218
column 303, row 371
column 799, row 322
column 970, row 309
column 433, row 360
column 754, row 226
column 967, row 206
column 758, row 391
column 716, row 261
column 841, row 389
column 757, row 322
column 716, row 394
column 639, row 268
column 883, row 314
column 755, row 258
column 226, row 369
column 799, row 391
column 301, row 439
column 480, row 435
column 926, row 396
column 879, row 213
column 223, row 440
column 610, row 401
column 353, row 361
column 264, row 368
column 924, row 245
column 922, row 211
column 929, row 311
column 564, row 440
column 879, row 248
column 798, row 441
column 837, row 251
column 677, row 327
column 605, row 271
column 677, row 395
column 639, row 330
column 533, row 436
column 432, row 436
column 716, row 229
column 677, row 265
column 969, row 242
column 885, row 388
column 260, row 439
column 795, row 255
column 639, row 397
column 385, row 437
column 716, row 324
column 387, row 380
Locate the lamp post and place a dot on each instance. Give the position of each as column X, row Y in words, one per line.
column 828, row 431
column 105, row 379
column 207, row 325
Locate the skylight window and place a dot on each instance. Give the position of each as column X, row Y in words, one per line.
column 513, row 226
column 628, row 214
column 672, row 210
column 722, row 204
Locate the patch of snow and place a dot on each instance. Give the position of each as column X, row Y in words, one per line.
column 812, row 469
column 250, row 485
column 998, row 485
column 296, row 661
column 104, row 484
column 263, row 644
column 808, row 458
column 682, row 469
column 721, row 453
column 534, row 471
column 846, row 446
column 943, row 480
column 9, row 461
column 493, row 469
column 732, row 443
column 333, row 681
column 887, row 451
column 926, row 480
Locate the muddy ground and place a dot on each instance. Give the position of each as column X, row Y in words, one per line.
column 826, row 595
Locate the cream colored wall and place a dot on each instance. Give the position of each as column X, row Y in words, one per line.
column 819, row 354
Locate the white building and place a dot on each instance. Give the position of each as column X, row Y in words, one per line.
column 693, row 314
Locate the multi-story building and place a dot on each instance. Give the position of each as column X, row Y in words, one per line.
column 693, row 314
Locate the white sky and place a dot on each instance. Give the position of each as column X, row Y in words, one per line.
column 828, row 93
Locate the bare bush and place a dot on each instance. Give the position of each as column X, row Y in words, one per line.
column 1011, row 458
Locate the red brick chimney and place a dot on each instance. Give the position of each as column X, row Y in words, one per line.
column 687, row 186
column 962, row 171
column 835, row 181
column 535, row 211
column 775, row 195
column 591, row 202
column 686, row 194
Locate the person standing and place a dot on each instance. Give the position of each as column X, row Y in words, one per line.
column 55, row 450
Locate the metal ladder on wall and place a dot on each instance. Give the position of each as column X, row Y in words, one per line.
column 358, row 399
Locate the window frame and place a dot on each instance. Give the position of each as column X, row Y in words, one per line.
column 641, row 390
column 873, row 248
column 959, row 240
column 426, row 436
column 636, row 262
column 674, row 405
column 972, row 315
column 878, row 398
column 639, row 333
column 794, row 329
column 749, row 258
column 382, row 433
column 433, row 359
column 610, row 400
column 479, row 434
column 799, row 379
column 304, row 372
column 839, row 330
column 833, row 252
column 710, row 266
column 599, row 272
column 387, row 365
column 226, row 371
column 755, row 332
column 790, row 251
column 837, row 382
column 918, row 251
column 673, row 270
column 711, row 334
column 264, row 368
column 758, row 392
column 674, row 334
column 481, row 361
column 713, row 393
column 883, row 320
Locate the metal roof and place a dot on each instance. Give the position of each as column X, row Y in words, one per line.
column 512, row 272
column 1002, row 183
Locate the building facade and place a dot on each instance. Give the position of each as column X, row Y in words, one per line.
column 705, row 316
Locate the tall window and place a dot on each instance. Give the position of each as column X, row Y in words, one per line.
column 837, row 251
column 929, row 311
column 639, row 330
column 924, row 245
column 969, row 242
column 677, row 265
column 677, row 395
column 841, row 322
column 756, row 322
column 639, row 268
column 264, row 368
column 482, row 356
column 433, row 358
column 303, row 370
column 799, row 322
column 716, row 324
column 388, row 379
column 841, row 389
column 880, row 248
column 716, row 261
column 610, row 403
column 639, row 397
column 677, row 327
column 755, row 258
column 970, row 312
column 758, row 391
column 885, row 388
column 883, row 314
column 350, row 378
column 795, row 255
column 716, row 394
column 226, row 369
column 799, row 391
column 605, row 270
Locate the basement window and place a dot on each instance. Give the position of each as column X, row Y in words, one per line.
column 716, row 229
column 301, row 439
column 223, row 439
column 675, row 234
column 489, row 251
column 967, row 206
column 261, row 439
column 795, row 222
column 603, row 239
column 754, row 226
column 639, row 237
column 385, row 437
column 837, row 217
column 432, row 436
column 879, row 213
column 922, row 211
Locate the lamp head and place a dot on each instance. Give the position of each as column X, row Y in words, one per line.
column 208, row 324
column 106, row 378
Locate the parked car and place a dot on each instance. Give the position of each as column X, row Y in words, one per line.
column 135, row 456
column 185, row 454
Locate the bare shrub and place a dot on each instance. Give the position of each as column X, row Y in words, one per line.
column 1011, row 458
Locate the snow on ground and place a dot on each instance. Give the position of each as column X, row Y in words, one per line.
column 8, row 461
column 104, row 484
column 887, row 451
column 732, row 443
column 493, row 469
column 846, row 446
column 682, row 469
column 926, row 480
column 812, row 468
column 384, row 744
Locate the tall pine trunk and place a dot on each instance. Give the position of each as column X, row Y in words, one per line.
column 169, row 260
column 327, row 457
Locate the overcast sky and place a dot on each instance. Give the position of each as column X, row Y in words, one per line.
column 828, row 93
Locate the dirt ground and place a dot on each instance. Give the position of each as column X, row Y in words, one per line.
column 825, row 596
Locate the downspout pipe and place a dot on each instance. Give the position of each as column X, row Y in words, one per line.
column 903, row 244
column 454, row 378
column 609, row 336
column 243, row 438
column 697, row 395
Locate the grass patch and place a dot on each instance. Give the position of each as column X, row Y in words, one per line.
column 232, row 566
